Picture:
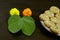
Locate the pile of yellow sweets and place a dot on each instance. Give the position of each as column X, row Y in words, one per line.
column 51, row 19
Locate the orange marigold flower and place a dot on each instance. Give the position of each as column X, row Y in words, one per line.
column 27, row 12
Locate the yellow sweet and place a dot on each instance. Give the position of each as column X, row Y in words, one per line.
column 44, row 17
column 49, row 13
column 14, row 11
column 49, row 23
column 54, row 9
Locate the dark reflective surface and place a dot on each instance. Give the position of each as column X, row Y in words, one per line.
column 38, row 7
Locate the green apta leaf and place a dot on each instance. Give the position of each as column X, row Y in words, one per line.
column 29, row 26
column 17, row 23
column 14, row 23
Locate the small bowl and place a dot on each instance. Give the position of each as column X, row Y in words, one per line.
column 48, row 29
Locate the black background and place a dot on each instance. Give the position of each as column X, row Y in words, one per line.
column 37, row 7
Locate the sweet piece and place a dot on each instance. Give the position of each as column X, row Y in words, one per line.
column 58, row 25
column 57, row 15
column 54, row 9
column 55, row 20
column 49, row 23
column 49, row 13
column 43, row 17
column 55, row 29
